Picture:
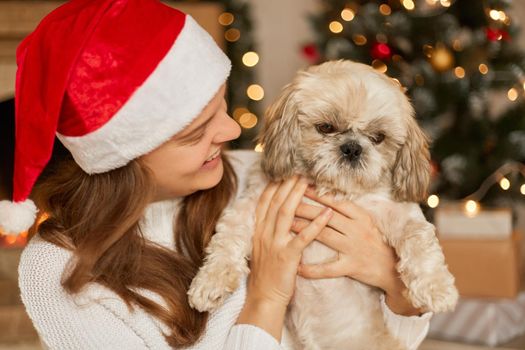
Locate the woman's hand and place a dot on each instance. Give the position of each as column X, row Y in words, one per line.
column 363, row 255
column 277, row 253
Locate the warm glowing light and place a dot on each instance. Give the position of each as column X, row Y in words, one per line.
column 248, row 120
column 433, row 201
column 10, row 239
column 427, row 50
column 494, row 14
column 471, row 208
column 255, row 92
column 408, row 4
column 512, row 94
column 238, row 112
column 335, row 27
column 226, row 19
column 522, row 189
column 385, row 10
column 504, row 183
column 359, row 39
column 502, row 16
column 459, row 72
column 347, row 14
column 483, row 69
column 445, row 3
column 232, row 34
column 259, row 148
column 250, row 59
column 379, row 66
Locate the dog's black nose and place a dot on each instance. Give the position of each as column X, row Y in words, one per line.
column 352, row 150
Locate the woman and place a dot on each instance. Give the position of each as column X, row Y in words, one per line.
column 139, row 102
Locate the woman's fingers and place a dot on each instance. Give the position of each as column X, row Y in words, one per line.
column 346, row 207
column 279, row 196
column 331, row 269
column 338, row 222
column 310, row 232
column 264, row 203
column 328, row 236
column 286, row 212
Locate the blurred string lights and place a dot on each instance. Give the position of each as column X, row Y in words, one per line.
column 255, row 92
column 457, row 62
column 439, row 55
column 471, row 203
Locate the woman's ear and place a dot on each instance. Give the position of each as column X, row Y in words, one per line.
column 411, row 173
column 280, row 135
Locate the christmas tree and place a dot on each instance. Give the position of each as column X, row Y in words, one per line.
column 462, row 71
column 243, row 92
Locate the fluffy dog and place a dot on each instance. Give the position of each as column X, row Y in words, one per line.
column 350, row 130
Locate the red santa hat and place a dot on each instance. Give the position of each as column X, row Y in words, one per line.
column 113, row 79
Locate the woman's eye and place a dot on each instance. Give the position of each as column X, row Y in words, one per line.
column 325, row 128
column 378, row 138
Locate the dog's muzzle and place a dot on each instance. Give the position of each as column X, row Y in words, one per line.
column 352, row 150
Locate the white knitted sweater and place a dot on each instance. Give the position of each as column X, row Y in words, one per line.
column 99, row 319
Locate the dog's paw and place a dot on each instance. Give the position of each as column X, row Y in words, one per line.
column 209, row 288
column 436, row 292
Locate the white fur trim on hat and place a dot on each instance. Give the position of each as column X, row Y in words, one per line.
column 17, row 217
column 179, row 88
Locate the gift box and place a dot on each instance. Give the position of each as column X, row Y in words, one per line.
column 485, row 267
column 470, row 221
column 481, row 321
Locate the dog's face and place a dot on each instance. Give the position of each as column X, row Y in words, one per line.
column 349, row 128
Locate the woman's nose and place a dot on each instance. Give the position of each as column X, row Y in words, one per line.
column 227, row 130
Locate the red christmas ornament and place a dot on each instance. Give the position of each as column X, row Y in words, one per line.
column 311, row 53
column 495, row 34
column 381, row 51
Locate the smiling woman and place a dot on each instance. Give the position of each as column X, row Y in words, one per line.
column 132, row 212
column 190, row 161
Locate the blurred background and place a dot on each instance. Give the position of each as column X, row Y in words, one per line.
column 463, row 65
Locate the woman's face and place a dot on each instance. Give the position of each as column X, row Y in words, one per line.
column 190, row 160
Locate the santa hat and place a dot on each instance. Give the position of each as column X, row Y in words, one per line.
column 113, row 79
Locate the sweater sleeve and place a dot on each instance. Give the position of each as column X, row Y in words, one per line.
column 250, row 337
column 59, row 321
column 410, row 330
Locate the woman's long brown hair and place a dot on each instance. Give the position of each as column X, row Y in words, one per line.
column 97, row 218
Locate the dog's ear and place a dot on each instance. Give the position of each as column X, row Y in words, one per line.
column 280, row 135
column 411, row 173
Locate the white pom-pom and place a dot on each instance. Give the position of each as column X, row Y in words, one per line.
column 17, row 217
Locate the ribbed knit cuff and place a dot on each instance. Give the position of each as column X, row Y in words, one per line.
column 410, row 330
column 250, row 337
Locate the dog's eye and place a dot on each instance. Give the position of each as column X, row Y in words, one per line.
column 325, row 128
column 378, row 138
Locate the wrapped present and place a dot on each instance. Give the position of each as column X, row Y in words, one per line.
column 484, row 267
column 481, row 321
column 464, row 221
